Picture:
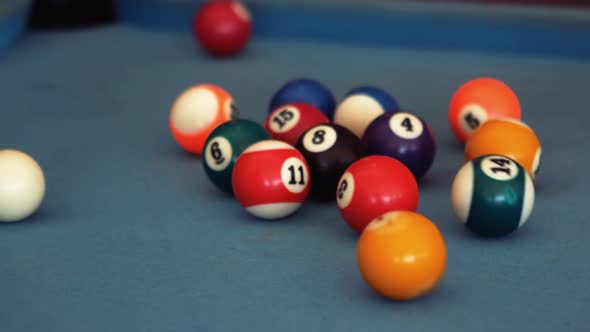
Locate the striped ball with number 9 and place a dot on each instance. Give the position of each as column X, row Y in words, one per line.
column 493, row 195
column 271, row 179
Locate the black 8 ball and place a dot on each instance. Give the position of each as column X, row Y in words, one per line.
column 328, row 149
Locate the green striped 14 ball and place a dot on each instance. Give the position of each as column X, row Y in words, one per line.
column 493, row 195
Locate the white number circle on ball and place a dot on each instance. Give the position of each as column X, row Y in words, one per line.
column 406, row 125
column 471, row 117
column 345, row 190
column 284, row 119
column 218, row 153
column 499, row 168
column 319, row 139
column 294, row 175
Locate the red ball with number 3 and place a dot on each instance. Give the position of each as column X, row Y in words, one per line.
column 373, row 186
column 288, row 122
column 271, row 179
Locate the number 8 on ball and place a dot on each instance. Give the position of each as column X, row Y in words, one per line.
column 329, row 150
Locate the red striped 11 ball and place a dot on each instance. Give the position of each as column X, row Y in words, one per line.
column 271, row 179
column 493, row 195
column 405, row 137
column 373, row 186
column 328, row 149
column 289, row 121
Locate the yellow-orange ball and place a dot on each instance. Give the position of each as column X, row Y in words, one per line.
column 507, row 137
column 478, row 101
column 402, row 255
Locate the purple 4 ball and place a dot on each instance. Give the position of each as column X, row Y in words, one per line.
column 405, row 137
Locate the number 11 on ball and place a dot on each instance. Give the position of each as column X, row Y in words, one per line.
column 271, row 179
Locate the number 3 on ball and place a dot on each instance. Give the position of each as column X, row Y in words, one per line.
column 345, row 190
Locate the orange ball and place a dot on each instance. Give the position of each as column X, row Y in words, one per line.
column 196, row 112
column 478, row 101
column 401, row 255
column 507, row 137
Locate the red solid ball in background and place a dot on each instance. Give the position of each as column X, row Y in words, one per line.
column 222, row 27
column 372, row 186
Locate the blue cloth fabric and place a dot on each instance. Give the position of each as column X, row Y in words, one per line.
column 133, row 237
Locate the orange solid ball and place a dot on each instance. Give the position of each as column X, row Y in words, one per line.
column 478, row 101
column 507, row 137
column 197, row 112
column 402, row 255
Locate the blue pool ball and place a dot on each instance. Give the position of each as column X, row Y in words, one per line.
column 361, row 105
column 304, row 91
column 405, row 137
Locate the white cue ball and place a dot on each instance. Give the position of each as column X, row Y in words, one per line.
column 22, row 185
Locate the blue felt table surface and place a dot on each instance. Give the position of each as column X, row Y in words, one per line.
column 133, row 237
column 490, row 28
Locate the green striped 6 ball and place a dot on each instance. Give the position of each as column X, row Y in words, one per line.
column 493, row 195
column 224, row 145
